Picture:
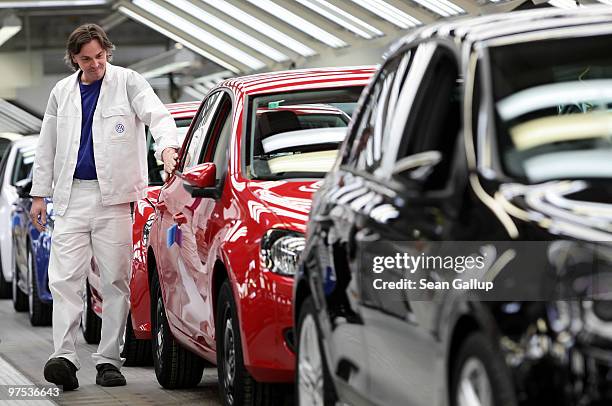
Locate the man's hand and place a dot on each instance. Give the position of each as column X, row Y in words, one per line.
column 38, row 213
column 169, row 156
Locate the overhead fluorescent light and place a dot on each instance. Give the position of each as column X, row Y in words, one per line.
column 387, row 12
column 164, row 63
column 201, row 34
column 299, row 23
column 441, row 7
column 51, row 3
column 143, row 20
column 342, row 18
column 567, row 4
column 196, row 95
column 11, row 25
column 261, row 27
column 229, row 29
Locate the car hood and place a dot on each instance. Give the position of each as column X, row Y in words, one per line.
column 573, row 208
column 290, row 201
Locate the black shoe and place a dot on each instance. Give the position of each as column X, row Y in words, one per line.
column 61, row 372
column 109, row 375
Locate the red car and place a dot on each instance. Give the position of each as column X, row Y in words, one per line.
column 137, row 348
column 230, row 225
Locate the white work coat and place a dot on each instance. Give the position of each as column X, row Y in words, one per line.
column 126, row 103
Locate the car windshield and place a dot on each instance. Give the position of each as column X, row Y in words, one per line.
column 553, row 108
column 157, row 175
column 297, row 135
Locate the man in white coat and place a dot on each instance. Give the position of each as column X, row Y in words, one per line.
column 91, row 158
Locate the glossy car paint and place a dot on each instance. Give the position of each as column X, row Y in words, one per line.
column 144, row 214
column 27, row 237
column 8, row 196
column 221, row 239
column 382, row 347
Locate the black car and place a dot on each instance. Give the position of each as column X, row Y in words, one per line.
column 485, row 142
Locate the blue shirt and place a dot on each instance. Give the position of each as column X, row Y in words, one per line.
column 86, row 164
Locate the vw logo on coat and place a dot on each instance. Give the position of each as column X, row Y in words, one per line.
column 120, row 128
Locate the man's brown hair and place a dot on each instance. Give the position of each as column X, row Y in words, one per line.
column 81, row 36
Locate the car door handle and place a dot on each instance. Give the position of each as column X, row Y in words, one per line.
column 161, row 206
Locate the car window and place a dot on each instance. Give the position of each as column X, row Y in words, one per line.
column 23, row 164
column 375, row 118
column 216, row 150
column 297, row 134
column 157, row 175
column 434, row 121
column 198, row 134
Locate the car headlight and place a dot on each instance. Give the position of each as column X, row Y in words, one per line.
column 281, row 250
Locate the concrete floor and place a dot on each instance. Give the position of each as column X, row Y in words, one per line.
column 27, row 348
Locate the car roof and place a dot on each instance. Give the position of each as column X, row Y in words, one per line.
column 301, row 79
column 183, row 110
column 467, row 31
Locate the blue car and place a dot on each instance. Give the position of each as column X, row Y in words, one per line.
column 31, row 255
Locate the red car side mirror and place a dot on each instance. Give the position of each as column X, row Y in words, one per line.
column 201, row 176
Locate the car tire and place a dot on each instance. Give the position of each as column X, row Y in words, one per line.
column 6, row 288
column 40, row 312
column 20, row 299
column 311, row 366
column 479, row 371
column 175, row 367
column 136, row 352
column 91, row 324
column 236, row 385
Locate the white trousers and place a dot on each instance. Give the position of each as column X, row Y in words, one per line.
column 87, row 228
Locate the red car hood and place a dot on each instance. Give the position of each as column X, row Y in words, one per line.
column 290, row 201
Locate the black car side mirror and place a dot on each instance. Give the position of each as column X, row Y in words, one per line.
column 23, row 188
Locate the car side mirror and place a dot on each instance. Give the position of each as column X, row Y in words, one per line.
column 200, row 181
column 417, row 167
column 24, row 187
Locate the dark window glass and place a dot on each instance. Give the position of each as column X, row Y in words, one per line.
column 553, row 108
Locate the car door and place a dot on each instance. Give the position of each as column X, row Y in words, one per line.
column 206, row 221
column 348, row 197
column 174, row 228
column 404, row 349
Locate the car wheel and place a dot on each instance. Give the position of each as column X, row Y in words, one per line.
column 91, row 324
column 20, row 299
column 175, row 367
column 236, row 385
column 40, row 312
column 136, row 352
column 313, row 381
column 480, row 376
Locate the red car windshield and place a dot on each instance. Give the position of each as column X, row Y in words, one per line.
column 297, row 135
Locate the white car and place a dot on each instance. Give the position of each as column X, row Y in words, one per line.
column 13, row 168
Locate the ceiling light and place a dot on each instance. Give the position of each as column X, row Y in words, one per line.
column 51, row 3
column 442, row 7
column 567, row 4
column 11, row 25
column 197, row 32
column 167, row 62
column 143, row 20
column 386, row 11
column 342, row 18
column 229, row 29
column 261, row 27
column 299, row 23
